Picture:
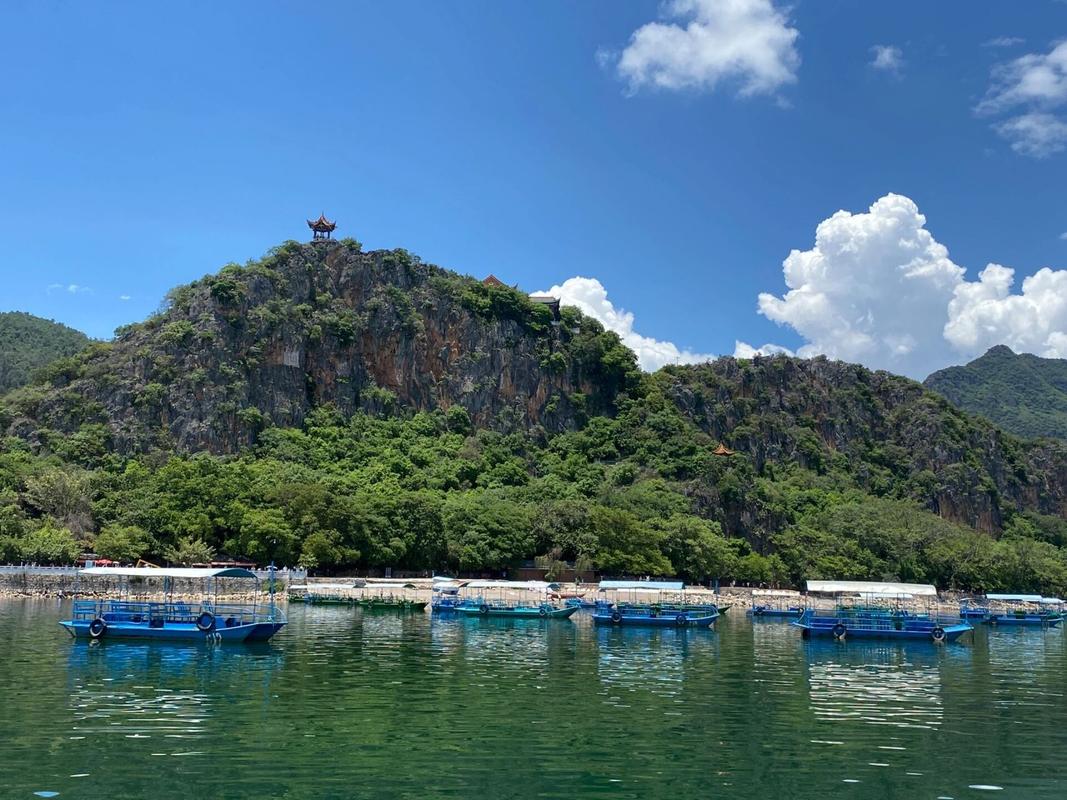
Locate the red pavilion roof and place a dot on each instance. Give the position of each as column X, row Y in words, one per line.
column 322, row 224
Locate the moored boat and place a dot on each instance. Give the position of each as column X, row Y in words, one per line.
column 775, row 604
column 491, row 599
column 173, row 619
column 1026, row 611
column 664, row 604
column 869, row 620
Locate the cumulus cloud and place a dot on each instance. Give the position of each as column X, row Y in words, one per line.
column 1030, row 90
column 879, row 289
column 887, row 57
column 124, row 297
column 591, row 298
column 747, row 42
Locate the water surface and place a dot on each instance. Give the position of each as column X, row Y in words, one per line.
column 348, row 703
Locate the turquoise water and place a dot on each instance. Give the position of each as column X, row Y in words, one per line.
column 350, row 704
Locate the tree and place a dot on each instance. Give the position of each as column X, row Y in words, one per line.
column 63, row 494
column 49, row 544
column 626, row 545
column 124, row 543
column 697, row 548
column 187, row 550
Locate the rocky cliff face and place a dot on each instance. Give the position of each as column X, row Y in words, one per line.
column 325, row 324
column 887, row 432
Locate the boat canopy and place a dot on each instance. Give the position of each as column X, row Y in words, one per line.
column 388, row 586
column 872, row 587
column 533, row 586
column 671, row 586
column 1052, row 601
column 775, row 593
column 170, row 572
column 313, row 586
column 443, row 579
column 1015, row 598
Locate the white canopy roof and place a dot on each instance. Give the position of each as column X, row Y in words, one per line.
column 872, row 587
column 1050, row 600
column 1016, row 598
column 170, row 572
column 388, row 586
column 673, row 586
column 313, row 586
column 775, row 593
column 533, row 586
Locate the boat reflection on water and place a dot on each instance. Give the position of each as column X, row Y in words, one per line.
column 875, row 684
column 656, row 660
column 149, row 689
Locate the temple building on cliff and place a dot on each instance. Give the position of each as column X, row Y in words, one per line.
column 321, row 227
column 543, row 299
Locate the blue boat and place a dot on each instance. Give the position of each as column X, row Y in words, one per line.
column 1021, row 612
column 871, row 621
column 491, row 598
column 444, row 597
column 171, row 619
column 775, row 604
column 973, row 611
column 650, row 617
column 673, row 612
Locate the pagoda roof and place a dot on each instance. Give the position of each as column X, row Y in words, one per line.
column 322, row 224
column 722, row 450
column 492, row 280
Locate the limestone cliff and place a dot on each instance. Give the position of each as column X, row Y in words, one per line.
column 325, row 324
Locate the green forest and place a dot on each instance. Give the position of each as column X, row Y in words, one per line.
column 28, row 343
column 839, row 472
column 427, row 492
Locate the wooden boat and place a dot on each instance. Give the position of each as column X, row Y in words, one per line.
column 324, row 594
column 394, row 604
column 973, row 611
column 870, row 621
column 173, row 620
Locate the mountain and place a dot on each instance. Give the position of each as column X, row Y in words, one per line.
column 328, row 324
column 350, row 409
column 28, row 343
column 1022, row 393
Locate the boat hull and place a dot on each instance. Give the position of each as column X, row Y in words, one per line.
column 1029, row 621
column 916, row 630
column 682, row 620
column 517, row 613
column 173, row 632
column 776, row 613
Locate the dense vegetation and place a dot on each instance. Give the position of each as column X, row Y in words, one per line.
column 28, row 343
column 839, row 471
column 1022, row 393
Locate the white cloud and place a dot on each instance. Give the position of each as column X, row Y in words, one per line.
column 1037, row 134
column 986, row 313
column 591, row 298
column 69, row 288
column 1030, row 88
column 1064, row 235
column 745, row 41
column 1004, row 41
column 745, row 350
column 887, row 57
column 124, row 297
column 879, row 289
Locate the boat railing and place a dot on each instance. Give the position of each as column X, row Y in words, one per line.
column 138, row 612
column 875, row 620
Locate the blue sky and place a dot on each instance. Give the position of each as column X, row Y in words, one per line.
column 671, row 154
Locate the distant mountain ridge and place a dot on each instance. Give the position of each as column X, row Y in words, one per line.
column 1023, row 393
column 28, row 343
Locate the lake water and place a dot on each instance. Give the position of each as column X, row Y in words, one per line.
column 351, row 704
